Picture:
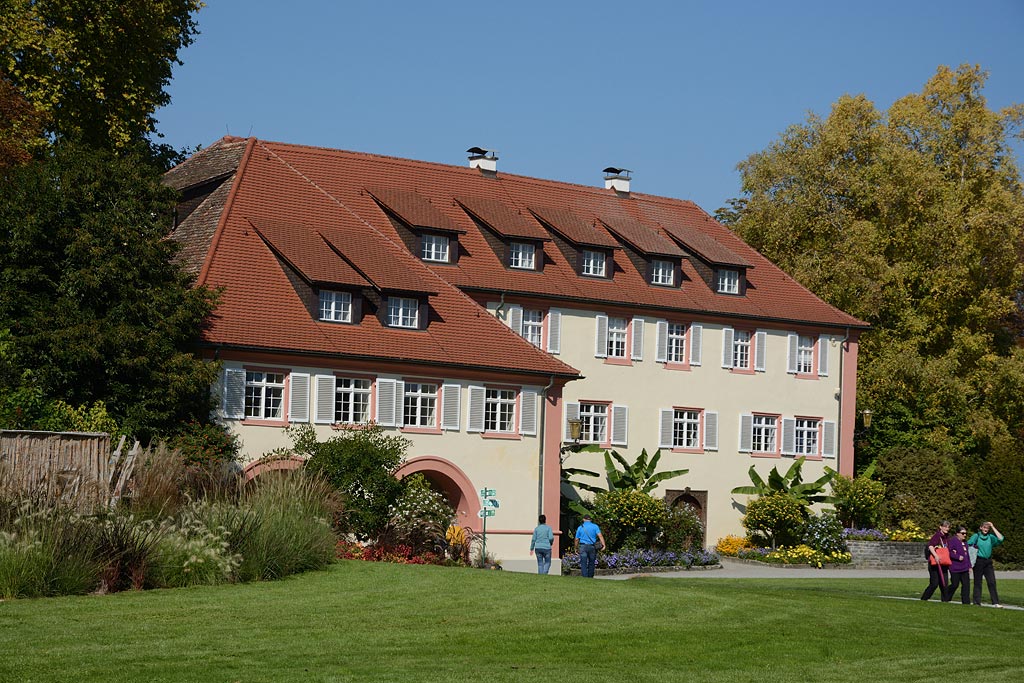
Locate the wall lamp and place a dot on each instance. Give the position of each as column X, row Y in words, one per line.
column 866, row 417
column 575, row 430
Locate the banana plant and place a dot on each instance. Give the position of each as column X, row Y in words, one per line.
column 791, row 483
column 642, row 475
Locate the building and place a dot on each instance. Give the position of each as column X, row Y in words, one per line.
column 482, row 313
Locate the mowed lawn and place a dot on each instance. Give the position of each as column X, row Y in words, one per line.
column 377, row 622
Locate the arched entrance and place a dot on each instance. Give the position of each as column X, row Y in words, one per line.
column 452, row 482
column 698, row 500
column 255, row 469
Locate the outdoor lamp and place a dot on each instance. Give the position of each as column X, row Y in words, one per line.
column 866, row 414
column 575, row 429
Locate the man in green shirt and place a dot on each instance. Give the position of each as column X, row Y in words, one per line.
column 985, row 539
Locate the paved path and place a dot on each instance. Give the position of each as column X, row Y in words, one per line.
column 732, row 569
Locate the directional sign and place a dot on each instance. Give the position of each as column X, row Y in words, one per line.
column 486, row 512
column 491, row 503
column 487, row 493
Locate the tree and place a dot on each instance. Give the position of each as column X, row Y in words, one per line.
column 791, row 484
column 94, row 306
column 97, row 69
column 777, row 516
column 21, row 127
column 912, row 220
column 361, row 464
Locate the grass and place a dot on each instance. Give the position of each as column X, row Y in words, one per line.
column 361, row 621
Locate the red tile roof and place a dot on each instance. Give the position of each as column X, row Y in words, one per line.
column 414, row 209
column 325, row 191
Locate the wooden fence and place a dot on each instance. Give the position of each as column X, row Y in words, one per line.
column 75, row 467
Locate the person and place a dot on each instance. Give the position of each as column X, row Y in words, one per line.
column 588, row 536
column 960, row 570
column 985, row 539
column 937, row 576
column 543, row 537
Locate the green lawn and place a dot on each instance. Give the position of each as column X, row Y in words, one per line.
column 376, row 622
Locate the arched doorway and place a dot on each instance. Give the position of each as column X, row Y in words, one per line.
column 255, row 469
column 698, row 500
column 450, row 481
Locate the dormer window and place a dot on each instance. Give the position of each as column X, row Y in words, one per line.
column 663, row 273
column 593, row 263
column 436, row 248
column 523, row 256
column 727, row 281
column 403, row 312
column 335, row 307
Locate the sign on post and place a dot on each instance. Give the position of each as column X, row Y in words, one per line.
column 487, row 493
column 486, row 512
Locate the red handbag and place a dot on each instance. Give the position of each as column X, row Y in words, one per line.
column 943, row 554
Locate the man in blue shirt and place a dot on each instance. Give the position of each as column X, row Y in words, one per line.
column 588, row 535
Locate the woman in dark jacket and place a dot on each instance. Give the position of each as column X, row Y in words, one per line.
column 937, row 576
column 960, row 570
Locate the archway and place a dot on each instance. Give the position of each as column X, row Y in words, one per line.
column 255, row 469
column 698, row 500
column 452, row 482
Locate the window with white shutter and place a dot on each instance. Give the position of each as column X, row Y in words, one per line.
column 828, row 439
column 572, row 412
column 710, row 431
column 528, row 412
column 638, row 339
column 515, row 319
column 727, row 343
column 451, row 406
column 324, row 386
column 298, row 397
column 477, row 399
column 554, row 331
column 823, row 348
column 661, row 341
column 601, row 336
column 620, row 425
column 389, row 405
column 696, row 334
column 760, row 350
column 233, row 402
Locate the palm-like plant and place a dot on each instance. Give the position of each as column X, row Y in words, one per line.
column 641, row 476
column 790, row 483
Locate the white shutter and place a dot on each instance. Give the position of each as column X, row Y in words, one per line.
column 638, row 339
column 387, row 401
column 528, row 412
column 515, row 319
column 601, row 337
column 788, row 436
column 451, row 406
column 828, row 439
column 727, row 336
column 760, row 349
column 620, row 421
column 710, row 431
column 793, row 341
column 477, row 398
column 823, row 345
column 298, row 397
column 554, row 331
column 696, row 332
column 324, row 386
column 572, row 412
column 665, row 430
column 746, row 433
column 661, row 341
column 234, row 394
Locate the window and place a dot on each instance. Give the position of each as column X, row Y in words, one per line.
column 805, row 355
column 403, row 312
column 435, row 248
column 663, row 273
column 741, row 349
column 264, row 395
column 676, row 349
column 352, row 401
column 763, row 434
column 593, row 263
column 420, row 405
column 500, row 410
column 593, row 422
column 617, row 337
column 728, row 281
column 686, row 429
column 335, row 306
column 533, row 326
column 806, row 442
column 523, row 255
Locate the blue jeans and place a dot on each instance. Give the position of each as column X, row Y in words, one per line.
column 543, row 560
column 588, row 558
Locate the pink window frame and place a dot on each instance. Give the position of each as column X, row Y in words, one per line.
column 283, row 421
column 700, row 430
column 607, row 443
column 436, row 429
column 626, row 360
column 777, row 453
column 751, row 355
column 687, row 341
column 373, row 400
column 514, row 435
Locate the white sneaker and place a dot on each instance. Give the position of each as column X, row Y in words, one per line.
column 997, row 605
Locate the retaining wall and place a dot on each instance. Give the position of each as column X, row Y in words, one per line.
column 886, row 554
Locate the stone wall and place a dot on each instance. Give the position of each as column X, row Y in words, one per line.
column 886, row 554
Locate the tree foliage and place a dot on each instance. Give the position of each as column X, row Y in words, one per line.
column 791, row 484
column 94, row 307
column 96, row 69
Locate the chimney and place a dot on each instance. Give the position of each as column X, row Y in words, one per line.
column 617, row 179
column 484, row 159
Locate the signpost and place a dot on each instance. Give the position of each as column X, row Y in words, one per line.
column 489, row 509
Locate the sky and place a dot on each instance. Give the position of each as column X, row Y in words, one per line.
column 679, row 92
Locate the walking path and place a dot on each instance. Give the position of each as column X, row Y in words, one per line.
column 733, row 569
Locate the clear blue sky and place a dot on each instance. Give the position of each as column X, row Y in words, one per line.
column 677, row 91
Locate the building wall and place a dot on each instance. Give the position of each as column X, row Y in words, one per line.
column 646, row 387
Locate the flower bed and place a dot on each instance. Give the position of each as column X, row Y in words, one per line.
column 635, row 561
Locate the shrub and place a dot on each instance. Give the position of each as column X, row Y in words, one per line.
column 907, row 531
column 419, row 518
column 206, row 445
column 126, row 547
column 639, row 559
column 681, row 529
column 865, row 535
column 999, row 483
column 858, row 502
column 804, row 554
column 155, row 490
column 628, row 518
column 731, row 546
column 45, row 551
column 778, row 517
column 923, row 485
column 824, row 533
column 191, row 552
